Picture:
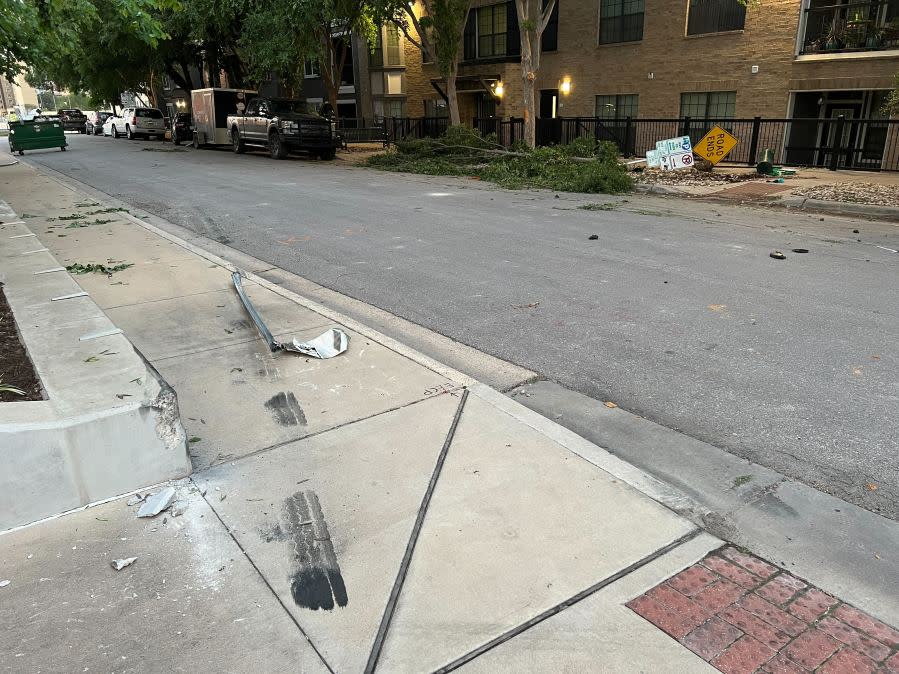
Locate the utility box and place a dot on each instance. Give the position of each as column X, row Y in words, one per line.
column 211, row 108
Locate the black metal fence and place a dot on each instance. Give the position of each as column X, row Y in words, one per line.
column 361, row 130
column 507, row 130
column 404, row 128
column 837, row 143
column 833, row 143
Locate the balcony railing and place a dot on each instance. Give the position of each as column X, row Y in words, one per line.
column 852, row 26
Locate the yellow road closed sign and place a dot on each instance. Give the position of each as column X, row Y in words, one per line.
column 716, row 145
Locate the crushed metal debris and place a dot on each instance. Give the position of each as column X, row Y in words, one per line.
column 327, row 345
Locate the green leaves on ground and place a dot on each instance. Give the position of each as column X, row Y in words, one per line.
column 105, row 210
column 78, row 268
column 6, row 388
column 582, row 166
column 79, row 224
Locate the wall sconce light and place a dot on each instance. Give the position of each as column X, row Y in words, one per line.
column 498, row 89
column 181, row 103
column 565, row 86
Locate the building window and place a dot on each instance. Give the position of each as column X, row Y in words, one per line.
column 856, row 25
column 620, row 106
column 392, row 52
column 492, row 31
column 620, row 21
column 389, row 107
column 550, row 40
column 376, row 55
column 715, row 16
column 310, row 68
column 387, row 49
column 708, row 104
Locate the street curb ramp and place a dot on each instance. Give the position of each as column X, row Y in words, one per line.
column 108, row 425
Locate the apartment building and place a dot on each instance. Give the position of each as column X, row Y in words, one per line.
column 16, row 92
column 615, row 59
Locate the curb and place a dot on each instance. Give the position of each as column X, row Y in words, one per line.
column 658, row 189
column 889, row 213
column 83, row 443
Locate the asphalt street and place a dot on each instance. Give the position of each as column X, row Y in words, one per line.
column 676, row 313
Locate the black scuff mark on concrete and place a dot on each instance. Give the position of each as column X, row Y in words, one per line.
column 315, row 580
column 286, row 410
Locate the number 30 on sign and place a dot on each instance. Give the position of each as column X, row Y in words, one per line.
column 716, row 145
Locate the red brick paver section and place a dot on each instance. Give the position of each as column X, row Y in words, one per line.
column 811, row 648
column 848, row 661
column 743, row 615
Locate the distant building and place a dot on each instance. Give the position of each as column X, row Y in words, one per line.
column 17, row 92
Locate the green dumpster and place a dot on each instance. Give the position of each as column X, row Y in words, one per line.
column 36, row 134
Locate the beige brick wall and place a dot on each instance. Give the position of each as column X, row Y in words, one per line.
column 678, row 63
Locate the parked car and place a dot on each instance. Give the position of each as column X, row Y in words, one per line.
column 182, row 127
column 114, row 125
column 94, row 124
column 283, row 125
column 72, row 119
column 145, row 122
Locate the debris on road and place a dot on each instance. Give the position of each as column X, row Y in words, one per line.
column 800, row 250
column 119, row 564
column 531, row 305
column 777, row 255
column 109, row 270
column 158, row 502
column 178, row 508
column 593, row 237
column 137, row 498
column 854, row 193
column 327, row 345
column 4, row 583
column 610, row 404
column 693, row 178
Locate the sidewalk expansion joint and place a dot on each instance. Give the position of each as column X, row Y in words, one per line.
column 164, row 299
column 283, row 443
column 413, row 539
column 265, row 580
column 558, row 608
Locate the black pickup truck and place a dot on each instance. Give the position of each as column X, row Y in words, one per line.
column 283, row 125
column 72, row 120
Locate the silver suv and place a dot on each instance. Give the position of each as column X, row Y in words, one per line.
column 144, row 122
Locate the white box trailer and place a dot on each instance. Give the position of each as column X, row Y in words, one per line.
column 210, row 110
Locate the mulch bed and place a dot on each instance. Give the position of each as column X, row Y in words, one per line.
column 693, row 178
column 15, row 366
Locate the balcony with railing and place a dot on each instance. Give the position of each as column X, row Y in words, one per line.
column 834, row 26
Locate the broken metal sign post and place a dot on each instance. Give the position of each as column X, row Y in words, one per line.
column 327, row 345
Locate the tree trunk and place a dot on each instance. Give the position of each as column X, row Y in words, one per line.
column 530, row 121
column 528, row 77
column 452, row 98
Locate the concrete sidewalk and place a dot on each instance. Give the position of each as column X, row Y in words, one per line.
column 377, row 510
